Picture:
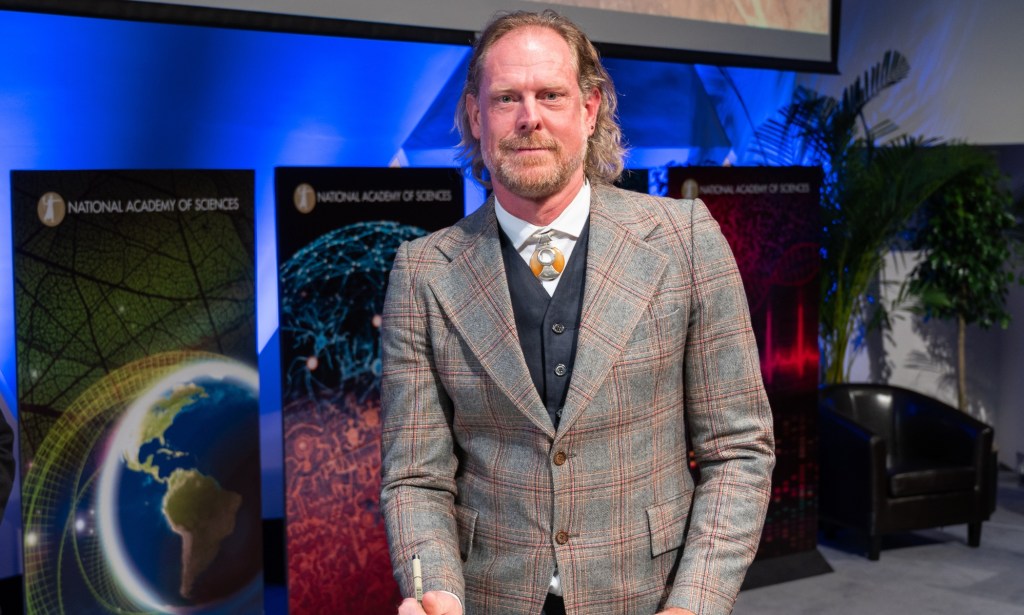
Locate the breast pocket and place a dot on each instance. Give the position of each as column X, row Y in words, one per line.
column 657, row 336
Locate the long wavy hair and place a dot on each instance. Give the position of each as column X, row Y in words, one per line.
column 605, row 151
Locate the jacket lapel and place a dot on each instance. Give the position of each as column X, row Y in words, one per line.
column 473, row 292
column 623, row 273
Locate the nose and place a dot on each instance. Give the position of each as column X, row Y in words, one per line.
column 529, row 118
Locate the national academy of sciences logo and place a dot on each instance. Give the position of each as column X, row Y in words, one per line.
column 304, row 198
column 51, row 209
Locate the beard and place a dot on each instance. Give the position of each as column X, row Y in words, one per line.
column 534, row 175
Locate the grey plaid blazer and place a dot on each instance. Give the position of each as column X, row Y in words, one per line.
column 478, row 483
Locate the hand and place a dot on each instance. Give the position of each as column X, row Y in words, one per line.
column 674, row 610
column 434, row 603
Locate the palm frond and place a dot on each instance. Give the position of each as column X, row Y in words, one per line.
column 892, row 69
column 879, row 131
column 794, row 137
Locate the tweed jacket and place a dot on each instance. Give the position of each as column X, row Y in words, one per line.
column 479, row 484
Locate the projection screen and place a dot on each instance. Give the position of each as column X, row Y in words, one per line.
column 788, row 34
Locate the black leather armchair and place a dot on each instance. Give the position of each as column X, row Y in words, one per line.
column 894, row 460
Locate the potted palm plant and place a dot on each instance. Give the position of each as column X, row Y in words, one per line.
column 875, row 179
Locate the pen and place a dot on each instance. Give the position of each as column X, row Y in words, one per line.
column 417, row 578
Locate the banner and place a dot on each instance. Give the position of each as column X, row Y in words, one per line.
column 338, row 231
column 771, row 218
column 138, row 391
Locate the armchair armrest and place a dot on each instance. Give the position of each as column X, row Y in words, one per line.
column 853, row 474
column 929, row 429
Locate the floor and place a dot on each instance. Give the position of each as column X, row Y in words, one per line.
column 931, row 572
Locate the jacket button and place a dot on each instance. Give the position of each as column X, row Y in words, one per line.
column 560, row 458
column 561, row 369
column 558, row 328
column 562, row 537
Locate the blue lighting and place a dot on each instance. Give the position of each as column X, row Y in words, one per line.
column 90, row 93
column 84, row 93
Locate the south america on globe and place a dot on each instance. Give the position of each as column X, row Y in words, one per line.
column 203, row 514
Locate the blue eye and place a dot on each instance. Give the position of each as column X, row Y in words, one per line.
column 505, row 99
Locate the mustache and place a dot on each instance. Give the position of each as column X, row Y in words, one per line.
column 516, row 143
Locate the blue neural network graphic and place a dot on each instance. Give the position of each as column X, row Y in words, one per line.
column 331, row 293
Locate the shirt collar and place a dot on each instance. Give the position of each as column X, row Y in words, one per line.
column 570, row 222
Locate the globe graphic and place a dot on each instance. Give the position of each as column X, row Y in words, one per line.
column 178, row 495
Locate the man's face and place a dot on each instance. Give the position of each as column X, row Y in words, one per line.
column 530, row 118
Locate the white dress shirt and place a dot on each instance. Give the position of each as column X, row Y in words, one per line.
column 566, row 229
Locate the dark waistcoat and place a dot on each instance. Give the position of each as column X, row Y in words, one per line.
column 548, row 326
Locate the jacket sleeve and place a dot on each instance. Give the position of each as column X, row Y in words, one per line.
column 6, row 462
column 419, row 463
column 730, row 425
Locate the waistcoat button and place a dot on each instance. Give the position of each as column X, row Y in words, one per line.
column 562, row 537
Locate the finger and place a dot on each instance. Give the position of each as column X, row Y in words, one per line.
column 441, row 603
column 409, row 606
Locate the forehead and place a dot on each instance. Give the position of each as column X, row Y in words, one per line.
column 529, row 49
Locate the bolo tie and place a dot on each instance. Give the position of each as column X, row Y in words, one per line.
column 547, row 261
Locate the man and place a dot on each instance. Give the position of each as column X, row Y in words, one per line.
column 535, row 428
